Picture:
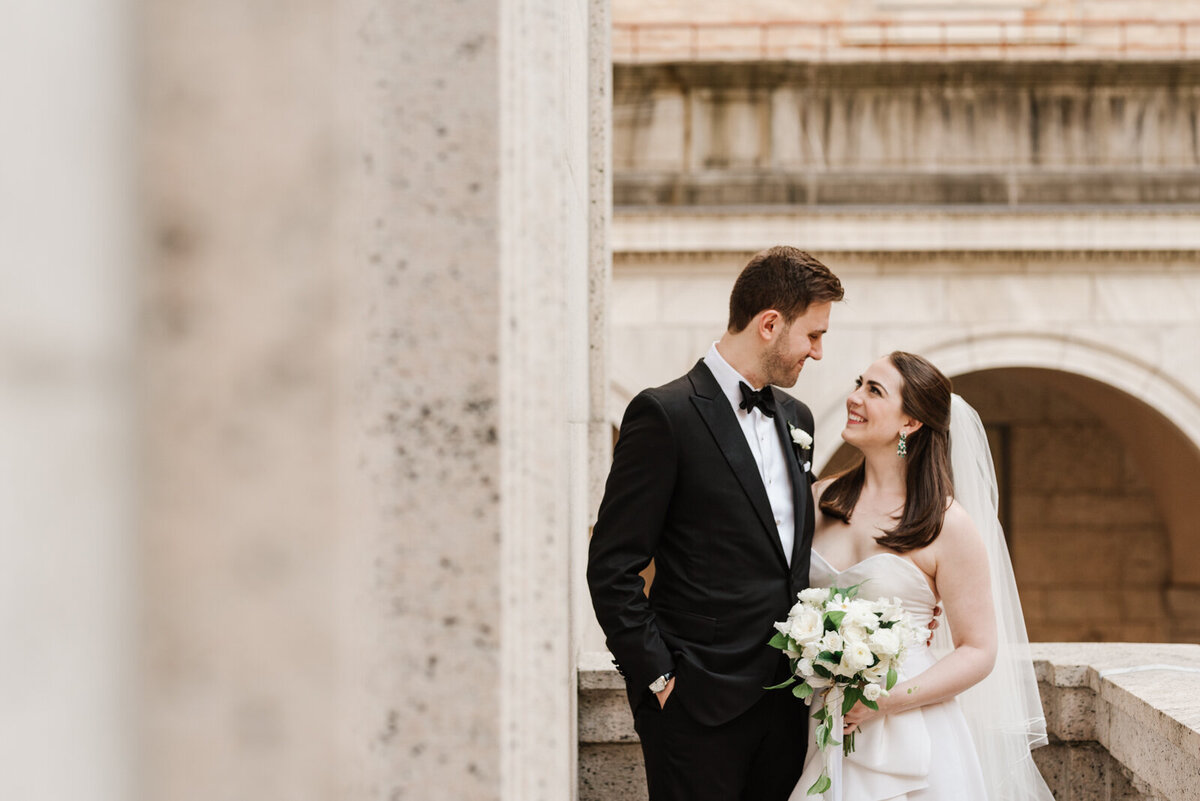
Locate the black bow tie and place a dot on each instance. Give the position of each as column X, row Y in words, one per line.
column 763, row 398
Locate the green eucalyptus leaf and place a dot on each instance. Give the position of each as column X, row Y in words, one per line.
column 780, row 641
column 791, row 680
column 820, row 785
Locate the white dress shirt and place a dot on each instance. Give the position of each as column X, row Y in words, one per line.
column 769, row 451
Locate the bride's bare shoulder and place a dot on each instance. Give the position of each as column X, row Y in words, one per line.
column 958, row 530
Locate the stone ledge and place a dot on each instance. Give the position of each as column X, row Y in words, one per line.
column 1116, row 734
column 885, row 187
column 890, row 229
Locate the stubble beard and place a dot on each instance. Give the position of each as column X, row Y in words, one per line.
column 776, row 370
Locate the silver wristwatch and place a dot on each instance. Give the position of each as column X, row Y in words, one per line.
column 660, row 684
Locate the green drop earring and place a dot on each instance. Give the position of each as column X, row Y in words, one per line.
column 902, row 450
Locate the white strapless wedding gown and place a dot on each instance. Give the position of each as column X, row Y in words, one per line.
column 924, row 754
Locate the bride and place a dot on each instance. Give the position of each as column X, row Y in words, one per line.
column 905, row 524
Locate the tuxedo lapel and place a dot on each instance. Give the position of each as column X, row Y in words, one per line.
column 722, row 423
column 800, row 488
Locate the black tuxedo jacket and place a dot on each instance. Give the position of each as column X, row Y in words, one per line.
column 684, row 489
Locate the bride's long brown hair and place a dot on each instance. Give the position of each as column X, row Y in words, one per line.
column 929, row 485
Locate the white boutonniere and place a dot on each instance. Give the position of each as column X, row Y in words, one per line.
column 800, row 437
column 802, row 442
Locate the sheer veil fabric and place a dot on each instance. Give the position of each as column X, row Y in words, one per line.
column 1004, row 711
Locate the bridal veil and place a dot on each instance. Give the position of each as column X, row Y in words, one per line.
column 1004, row 711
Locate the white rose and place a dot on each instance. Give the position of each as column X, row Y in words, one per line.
column 872, row 692
column 838, row 603
column 806, row 626
column 885, row 642
column 856, row 657
column 804, row 668
column 862, row 613
column 832, row 641
column 877, row 673
column 802, row 438
column 853, row 634
column 814, row 595
column 810, row 650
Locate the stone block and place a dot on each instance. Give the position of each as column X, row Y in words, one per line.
column 1074, row 713
column 1087, row 767
column 609, row 772
column 727, row 129
column 1002, row 400
column 1142, row 605
column 1070, row 457
column 695, row 300
column 1052, row 762
column 1093, row 510
column 634, row 300
column 648, row 130
column 902, row 187
column 1133, row 299
column 1149, row 562
column 1073, row 558
column 1183, row 601
column 648, row 356
column 872, row 300
column 604, row 717
column 1018, row 298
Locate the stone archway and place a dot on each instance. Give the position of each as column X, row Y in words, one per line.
column 1101, row 468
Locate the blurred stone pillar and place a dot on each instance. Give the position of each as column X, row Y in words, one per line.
column 67, row 351
column 240, row 326
column 366, row 404
column 468, row 356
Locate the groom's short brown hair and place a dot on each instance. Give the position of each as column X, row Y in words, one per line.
column 783, row 278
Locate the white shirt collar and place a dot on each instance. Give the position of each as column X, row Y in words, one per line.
column 727, row 377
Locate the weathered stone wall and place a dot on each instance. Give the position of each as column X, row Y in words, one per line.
column 932, row 133
column 1087, row 540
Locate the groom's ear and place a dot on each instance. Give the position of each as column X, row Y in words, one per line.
column 769, row 322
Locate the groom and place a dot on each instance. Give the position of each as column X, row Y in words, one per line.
column 710, row 481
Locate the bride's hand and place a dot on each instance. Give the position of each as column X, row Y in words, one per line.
column 933, row 624
column 857, row 716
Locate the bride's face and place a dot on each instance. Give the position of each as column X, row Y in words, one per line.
column 874, row 411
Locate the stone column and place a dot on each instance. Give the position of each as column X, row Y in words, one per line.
column 240, row 328
column 469, row 360
column 67, row 469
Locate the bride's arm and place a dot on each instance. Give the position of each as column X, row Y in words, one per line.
column 963, row 581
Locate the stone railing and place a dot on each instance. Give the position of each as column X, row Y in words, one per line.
column 900, row 38
column 1123, row 718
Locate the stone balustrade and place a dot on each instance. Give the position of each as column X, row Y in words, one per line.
column 1123, row 719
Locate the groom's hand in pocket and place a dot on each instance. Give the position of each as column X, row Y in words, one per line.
column 666, row 693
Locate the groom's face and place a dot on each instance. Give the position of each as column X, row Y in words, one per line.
column 794, row 344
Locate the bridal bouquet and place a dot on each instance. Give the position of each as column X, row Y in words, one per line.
column 844, row 649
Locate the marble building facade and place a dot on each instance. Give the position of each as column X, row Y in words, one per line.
column 1028, row 226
